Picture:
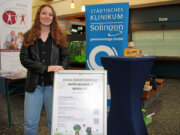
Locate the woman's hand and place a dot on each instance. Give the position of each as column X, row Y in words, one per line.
column 55, row 68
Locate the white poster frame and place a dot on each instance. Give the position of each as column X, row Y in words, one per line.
column 60, row 87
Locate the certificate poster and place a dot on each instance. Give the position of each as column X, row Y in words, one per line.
column 79, row 103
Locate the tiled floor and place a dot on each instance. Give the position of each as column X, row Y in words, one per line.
column 166, row 107
column 166, row 120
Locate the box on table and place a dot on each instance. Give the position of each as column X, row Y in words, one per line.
column 132, row 52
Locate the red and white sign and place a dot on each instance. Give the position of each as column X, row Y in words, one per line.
column 15, row 20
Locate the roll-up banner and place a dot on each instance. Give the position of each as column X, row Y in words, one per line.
column 15, row 19
column 106, row 32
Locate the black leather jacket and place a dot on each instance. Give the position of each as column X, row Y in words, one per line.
column 29, row 58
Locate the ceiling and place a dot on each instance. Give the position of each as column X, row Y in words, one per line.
column 77, row 18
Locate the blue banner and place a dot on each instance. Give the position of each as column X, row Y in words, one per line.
column 106, row 32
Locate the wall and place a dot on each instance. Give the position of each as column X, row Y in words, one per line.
column 158, row 42
column 165, row 68
column 158, row 37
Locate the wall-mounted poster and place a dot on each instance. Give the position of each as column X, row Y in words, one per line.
column 79, row 103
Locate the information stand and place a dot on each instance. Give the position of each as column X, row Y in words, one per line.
column 79, row 103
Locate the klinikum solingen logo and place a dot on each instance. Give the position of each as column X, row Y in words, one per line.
column 92, row 61
column 10, row 17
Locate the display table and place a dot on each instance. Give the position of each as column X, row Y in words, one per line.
column 126, row 76
column 11, row 84
column 148, row 94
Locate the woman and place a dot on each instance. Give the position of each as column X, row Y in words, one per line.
column 42, row 53
column 18, row 40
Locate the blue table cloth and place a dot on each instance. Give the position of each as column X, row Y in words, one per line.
column 126, row 76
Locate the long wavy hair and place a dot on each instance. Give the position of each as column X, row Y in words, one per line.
column 57, row 34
